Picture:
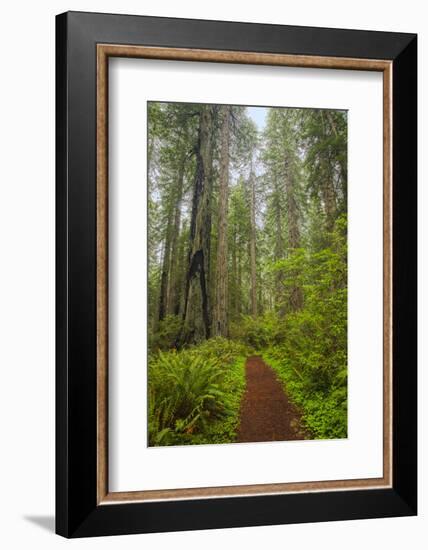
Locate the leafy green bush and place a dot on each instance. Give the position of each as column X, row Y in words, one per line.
column 262, row 331
column 195, row 394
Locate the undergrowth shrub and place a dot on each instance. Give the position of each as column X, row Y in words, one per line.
column 259, row 332
column 324, row 412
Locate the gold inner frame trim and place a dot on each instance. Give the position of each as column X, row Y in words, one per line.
column 104, row 51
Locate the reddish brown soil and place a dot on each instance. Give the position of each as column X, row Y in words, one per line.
column 266, row 412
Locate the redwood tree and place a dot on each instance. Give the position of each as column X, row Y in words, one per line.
column 221, row 321
column 196, row 316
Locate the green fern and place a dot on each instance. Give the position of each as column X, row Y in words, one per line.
column 190, row 391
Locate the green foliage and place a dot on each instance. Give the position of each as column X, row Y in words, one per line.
column 324, row 136
column 312, row 357
column 195, row 393
column 258, row 332
column 165, row 336
column 324, row 412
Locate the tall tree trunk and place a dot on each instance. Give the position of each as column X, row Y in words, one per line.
column 332, row 123
column 279, row 251
column 173, row 288
column 196, row 317
column 295, row 297
column 150, row 149
column 234, row 289
column 328, row 196
column 239, row 278
column 166, row 261
column 221, row 322
column 260, row 304
column 253, row 268
column 342, row 159
column 183, row 254
column 327, row 186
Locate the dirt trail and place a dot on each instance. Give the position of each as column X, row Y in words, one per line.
column 266, row 412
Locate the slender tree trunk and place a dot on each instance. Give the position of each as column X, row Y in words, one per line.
column 166, row 261
column 327, row 187
column 292, row 212
column 329, row 198
column 183, row 255
column 260, row 305
column 196, row 318
column 253, row 268
column 295, row 297
column 173, row 288
column 239, row 279
column 150, row 150
column 221, row 321
column 279, row 252
column 234, row 293
column 332, row 123
column 342, row 162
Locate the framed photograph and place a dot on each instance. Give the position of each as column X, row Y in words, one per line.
column 236, row 274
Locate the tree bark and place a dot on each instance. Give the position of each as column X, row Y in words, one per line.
column 342, row 162
column 253, row 267
column 295, row 296
column 163, row 294
column 196, row 317
column 239, row 304
column 221, row 321
column 328, row 196
column 183, row 254
column 173, row 288
column 279, row 251
column 327, row 187
column 234, row 289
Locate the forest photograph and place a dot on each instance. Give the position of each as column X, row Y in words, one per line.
column 247, row 273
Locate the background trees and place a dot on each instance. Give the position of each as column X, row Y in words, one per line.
column 233, row 205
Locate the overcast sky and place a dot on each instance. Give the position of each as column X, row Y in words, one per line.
column 258, row 114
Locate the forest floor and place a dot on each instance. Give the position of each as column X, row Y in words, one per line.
column 266, row 411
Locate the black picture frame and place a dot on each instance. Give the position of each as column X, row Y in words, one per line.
column 77, row 511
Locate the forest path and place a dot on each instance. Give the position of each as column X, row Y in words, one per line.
column 266, row 412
